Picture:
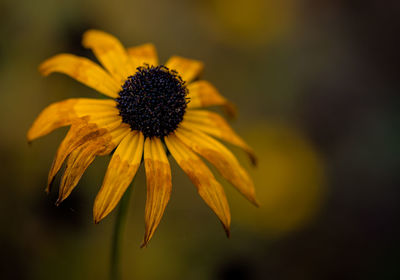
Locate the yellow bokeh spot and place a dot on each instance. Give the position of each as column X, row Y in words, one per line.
column 252, row 21
column 289, row 181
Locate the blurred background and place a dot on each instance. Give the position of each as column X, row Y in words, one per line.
column 316, row 84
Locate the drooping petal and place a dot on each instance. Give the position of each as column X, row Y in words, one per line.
column 204, row 94
column 79, row 133
column 64, row 112
column 158, row 180
column 221, row 158
column 110, row 52
column 188, row 69
column 119, row 175
column 80, row 159
column 143, row 54
column 207, row 186
column 82, row 130
column 213, row 124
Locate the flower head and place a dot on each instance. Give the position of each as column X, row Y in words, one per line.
column 151, row 108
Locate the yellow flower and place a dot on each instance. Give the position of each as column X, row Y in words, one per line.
column 151, row 108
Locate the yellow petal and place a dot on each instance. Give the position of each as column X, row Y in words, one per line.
column 84, row 71
column 119, row 175
column 80, row 159
column 221, row 158
column 213, row 124
column 188, row 69
column 208, row 187
column 143, row 54
column 63, row 113
column 158, row 179
column 53, row 116
column 110, row 52
column 204, row 94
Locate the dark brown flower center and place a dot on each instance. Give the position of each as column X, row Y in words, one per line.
column 153, row 101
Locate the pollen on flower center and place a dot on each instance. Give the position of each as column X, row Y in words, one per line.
column 153, row 101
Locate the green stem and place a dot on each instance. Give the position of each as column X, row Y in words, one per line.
column 115, row 269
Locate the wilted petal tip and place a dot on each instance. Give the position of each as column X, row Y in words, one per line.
column 253, row 159
column 227, row 231
column 231, row 110
column 47, row 189
column 58, row 202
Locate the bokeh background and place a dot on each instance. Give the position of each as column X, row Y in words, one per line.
column 316, row 84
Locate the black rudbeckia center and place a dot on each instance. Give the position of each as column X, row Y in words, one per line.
column 153, row 101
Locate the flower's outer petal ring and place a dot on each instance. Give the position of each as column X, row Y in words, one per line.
column 213, row 124
column 208, row 187
column 83, row 70
column 63, row 113
column 143, row 54
column 110, row 52
column 80, row 159
column 188, row 69
column 120, row 172
column 221, row 158
column 158, row 180
column 204, row 94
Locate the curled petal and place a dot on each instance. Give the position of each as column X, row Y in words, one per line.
column 213, row 124
column 208, row 187
column 82, row 70
column 158, row 179
column 79, row 133
column 143, row 54
column 110, row 52
column 80, row 159
column 82, row 130
column 221, row 158
column 204, row 94
column 119, row 175
column 188, row 69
